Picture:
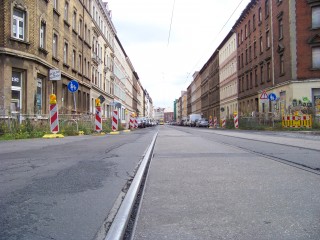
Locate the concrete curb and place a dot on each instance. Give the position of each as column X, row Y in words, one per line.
column 119, row 224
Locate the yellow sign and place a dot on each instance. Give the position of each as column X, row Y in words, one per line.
column 53, row 99
column 97, row 102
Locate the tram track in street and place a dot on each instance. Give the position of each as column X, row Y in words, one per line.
column 223, row 140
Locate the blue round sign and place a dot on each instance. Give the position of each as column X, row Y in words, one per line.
column 272, row 97
column 73, row 86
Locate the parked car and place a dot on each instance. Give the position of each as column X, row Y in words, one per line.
column 202, row 122
column 141, row 122
column 193, row 118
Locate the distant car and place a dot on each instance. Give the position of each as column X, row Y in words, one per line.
column 141, row 122
column 202, row 122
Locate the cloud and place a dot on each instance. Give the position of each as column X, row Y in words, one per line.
column 166, row 65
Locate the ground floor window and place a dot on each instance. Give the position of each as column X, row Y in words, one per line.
column 16, row 92
column 316, row 57
column 39, row 99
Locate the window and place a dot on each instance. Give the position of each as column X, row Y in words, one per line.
column 280, row 28
column 254, row 22
column 80, row 28
column 65, row 53
column 16, row 91
column 18, row 24
column 42, row 34
column 250, row 53
column 74, row 59
column 66, row 11
column 261, row 74
column 268, row 71
column 247, row 81
column 80, row 63
column 255, row 49
column 260, row 15
column 55, row 4
column 38, row 104
column 316, row 17
column 246, row 56
column 261, row 45
column 256, row 76
column 268, row 39
column 267, row 8
column 281, row 64
column 251, row 80
column 246, row 31
column 241, row 36
column 55, row 45
column 85, row 32
column 74, row 20
column 316, row 57
column 249, row 27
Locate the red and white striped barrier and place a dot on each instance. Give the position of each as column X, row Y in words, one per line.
column 115, row 120
column 54, row 118
column 236, row 120
column 131, row 122
column 98, row 119
column 135, row 123
column 223, row 123
column 215, row 122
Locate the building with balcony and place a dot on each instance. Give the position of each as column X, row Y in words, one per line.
column 278, row 52
column 46, row 44
column 37, row 38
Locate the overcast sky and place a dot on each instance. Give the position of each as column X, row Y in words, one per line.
column 166, row 60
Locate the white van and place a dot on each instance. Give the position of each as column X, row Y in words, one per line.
column 193, row 118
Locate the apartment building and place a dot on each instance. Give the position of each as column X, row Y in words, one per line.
column 278, row 52
column 193, row 95
column 210, row 90
column 195, row 99
column 38, row 38
column 228, row 78
column 184, row 104
column 102, row 56
column 46, row 44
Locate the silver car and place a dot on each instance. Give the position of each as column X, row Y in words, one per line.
column 202, row 122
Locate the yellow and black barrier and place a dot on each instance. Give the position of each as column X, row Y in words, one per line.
column 297, row 121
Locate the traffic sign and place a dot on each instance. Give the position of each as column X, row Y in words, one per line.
column 272, row 97
column 264, row 95
column 73, row 86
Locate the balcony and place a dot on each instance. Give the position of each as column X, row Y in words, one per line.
column 95, row 59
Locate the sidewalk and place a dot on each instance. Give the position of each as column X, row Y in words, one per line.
column 198, row 189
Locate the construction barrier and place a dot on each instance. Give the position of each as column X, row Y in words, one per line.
column 236, row 120
column 131, row 125
column 115, row 120
column 210, row 122
column 215, row 122
column 135, row 123
column 98, row 118
column 54, row 118
column 297, row 121
column 223, row 124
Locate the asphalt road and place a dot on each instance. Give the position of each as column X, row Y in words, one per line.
column 65, row 188
column 211, row 184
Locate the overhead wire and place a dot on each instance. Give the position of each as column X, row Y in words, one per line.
column 188, row 74
column 174, row 1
